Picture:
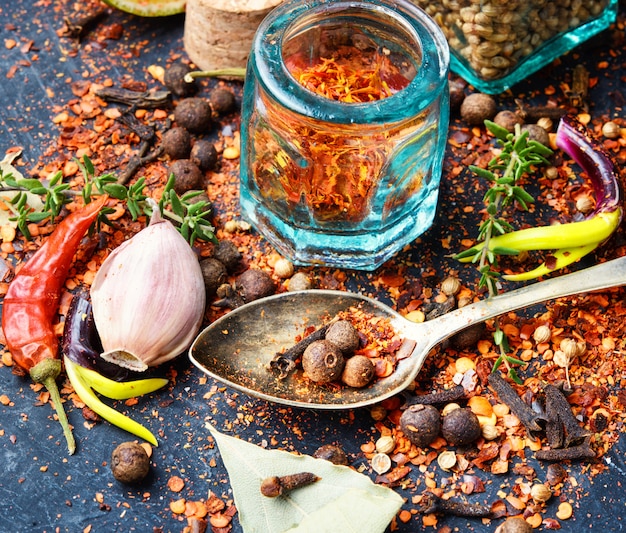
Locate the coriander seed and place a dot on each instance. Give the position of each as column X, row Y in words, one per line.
column 611, row 130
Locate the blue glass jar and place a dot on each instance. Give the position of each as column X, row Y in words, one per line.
column 344, row 125
column 497, row 43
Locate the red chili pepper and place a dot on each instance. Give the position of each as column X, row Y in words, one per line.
column 32, row 301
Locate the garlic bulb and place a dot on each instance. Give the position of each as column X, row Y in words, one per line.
column 148, row 297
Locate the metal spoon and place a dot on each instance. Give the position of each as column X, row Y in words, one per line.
column 236, row 348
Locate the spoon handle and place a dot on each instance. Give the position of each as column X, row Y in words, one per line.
column 605, row 275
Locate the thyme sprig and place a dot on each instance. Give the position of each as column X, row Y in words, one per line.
column 518, row 157
column 34, row 200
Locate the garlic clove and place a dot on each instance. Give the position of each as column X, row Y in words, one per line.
column 148, row 297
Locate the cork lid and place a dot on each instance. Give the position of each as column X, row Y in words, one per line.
column 246, row 6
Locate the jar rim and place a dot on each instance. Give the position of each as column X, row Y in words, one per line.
column 274, row 77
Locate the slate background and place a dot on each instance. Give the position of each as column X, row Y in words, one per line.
column 44, row 490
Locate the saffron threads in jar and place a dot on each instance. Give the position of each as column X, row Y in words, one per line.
column 349, row 76
column 336, row 170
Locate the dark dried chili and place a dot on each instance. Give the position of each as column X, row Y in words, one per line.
column 32, row 301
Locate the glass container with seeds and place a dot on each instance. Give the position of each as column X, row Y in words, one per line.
column 344, row 123
column 496, row 43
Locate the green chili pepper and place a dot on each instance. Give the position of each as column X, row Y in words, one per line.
column 576, row 239
column 559, row 259
column 85, row 381
column 571, row 235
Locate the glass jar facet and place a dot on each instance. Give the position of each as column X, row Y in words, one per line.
column 495, row 44
column 344, row 124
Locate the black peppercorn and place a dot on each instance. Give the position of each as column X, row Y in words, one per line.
column 222, row 101
column 254, row 284
column 214, row 274
column 204, row 154
column 460, row 427
column 344, row 335
column 174, row 79
column 177, row 143
column 358, row 371
column 194, row 114
column 332, row 453
column 323, row 362
column 130, row 463
column 187, row 176
column 421, row 424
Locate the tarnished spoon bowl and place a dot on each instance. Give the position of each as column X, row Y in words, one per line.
column 237, row 348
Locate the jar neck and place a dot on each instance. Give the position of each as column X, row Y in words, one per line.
column 403, row 28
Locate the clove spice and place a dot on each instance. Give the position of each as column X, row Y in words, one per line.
column 573, row 453
column 275, row 486
column 82, row 22
column 138, row 99
column 432, row 503
column 284, row 363
column 534, row 113
column 451, row 395
column 527, row 416
column 559, row 413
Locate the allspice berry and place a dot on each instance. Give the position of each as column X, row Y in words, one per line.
column 194, row 114
column 344, row 335
column 514, row 524
column 461, row 427
column 177, row 143
column 130, row 463
column 478, row 107
column 174, row 80
column 228, row 254
column 468, row 337
column 358, row 371
column 332, row 453
column 214, row 274
column 421, row 424
column 187, row 176
column 323, row 362
column 254, row 284
column 457, row 92
column 222, row 101
column 537, row 133
column 204, row 154
column 508, row 120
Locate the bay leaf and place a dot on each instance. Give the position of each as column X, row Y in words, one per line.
column 342, row 500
